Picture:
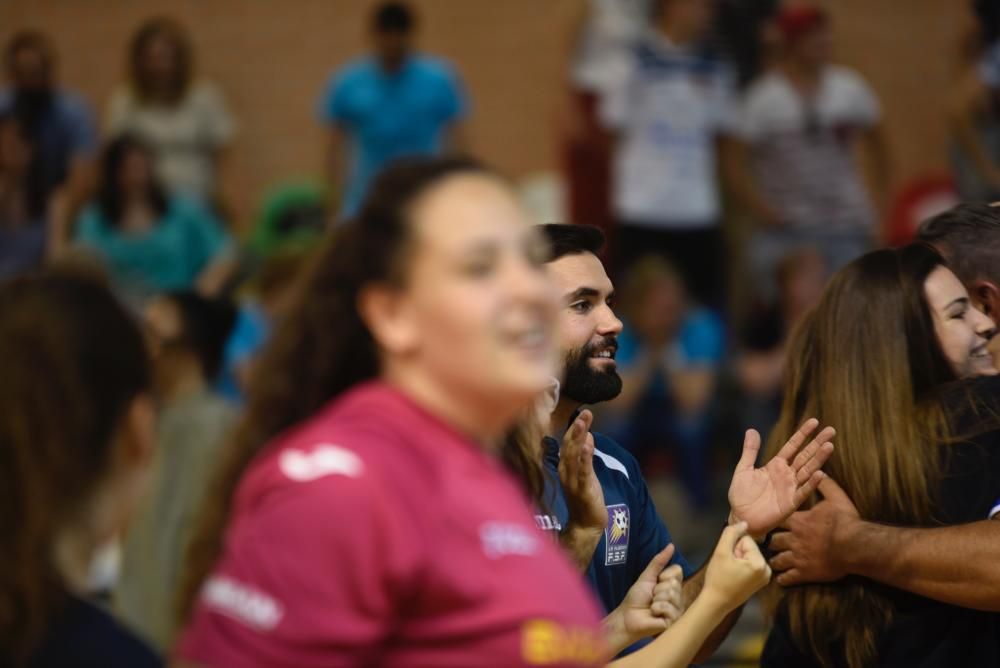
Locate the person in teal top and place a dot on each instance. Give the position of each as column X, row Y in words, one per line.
column 391, row 104
column 148, row 242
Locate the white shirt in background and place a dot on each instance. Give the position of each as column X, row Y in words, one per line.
column 802, row 151
column 611, row 29
column 185, row 137
column 669, row 112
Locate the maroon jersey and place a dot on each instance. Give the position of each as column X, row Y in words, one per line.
column 375, row 534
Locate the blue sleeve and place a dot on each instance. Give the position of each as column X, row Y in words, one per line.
column 334, row 108
column 703, row 339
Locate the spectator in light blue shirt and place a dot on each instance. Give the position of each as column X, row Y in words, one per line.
column 387, row 105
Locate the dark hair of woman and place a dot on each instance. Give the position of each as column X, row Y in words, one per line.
column 110, row 198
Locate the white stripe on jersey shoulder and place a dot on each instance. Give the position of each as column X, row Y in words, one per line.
column 322, row 460
column 611, row 462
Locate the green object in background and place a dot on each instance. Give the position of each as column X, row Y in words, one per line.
column 293, row 216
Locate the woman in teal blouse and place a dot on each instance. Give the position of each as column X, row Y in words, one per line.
column 149, row 242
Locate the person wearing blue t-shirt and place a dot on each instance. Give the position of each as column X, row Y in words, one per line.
column 620, row 527
column 387, row 105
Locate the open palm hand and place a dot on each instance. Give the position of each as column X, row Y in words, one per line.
column 764, row 497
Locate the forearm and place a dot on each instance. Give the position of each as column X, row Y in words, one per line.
column 579, row 544
column 955, row 564
column 216, row 275
column 678, row 645
column 692, row 588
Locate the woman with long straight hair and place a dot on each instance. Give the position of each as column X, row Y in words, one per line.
column 149, row 240
column 364, row 514
column 880, row 357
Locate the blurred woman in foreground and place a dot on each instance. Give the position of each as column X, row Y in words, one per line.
column 364, row 515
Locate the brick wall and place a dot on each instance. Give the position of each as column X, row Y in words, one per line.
column 273, row 57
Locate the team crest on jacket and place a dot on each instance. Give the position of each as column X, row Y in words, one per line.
column 616, row 535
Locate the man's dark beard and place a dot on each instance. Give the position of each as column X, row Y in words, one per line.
column 588, row 385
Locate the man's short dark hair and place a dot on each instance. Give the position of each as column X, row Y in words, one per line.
column 968, row 236
column 572, row 239
column 393, row 17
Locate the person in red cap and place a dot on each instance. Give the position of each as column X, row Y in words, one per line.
column 795, row 169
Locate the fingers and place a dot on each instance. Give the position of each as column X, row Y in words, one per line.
column 587, row 468
column 667, row 594
column 803, row 492
column 751, row 446
column 581, row 426
column 814, row 464
column 671, row 574
column 747, row 550
column 730, row 536
column 781, row 541
column 670, row 612
column 813, row 450
column 783, row 561
column 658, row 563
column 798, row 438
column 790, row 578
column 576, row 455
column 831, row 491
column 756, row 560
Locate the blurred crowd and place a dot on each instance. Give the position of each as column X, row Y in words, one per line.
column 679, row 118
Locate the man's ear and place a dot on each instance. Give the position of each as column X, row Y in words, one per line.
column 386, row 312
